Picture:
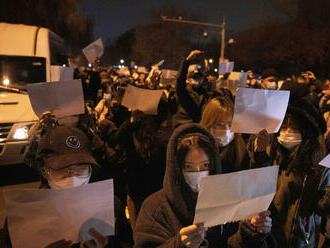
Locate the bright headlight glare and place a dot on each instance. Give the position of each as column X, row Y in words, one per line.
column 6, row 82
column 21, row 133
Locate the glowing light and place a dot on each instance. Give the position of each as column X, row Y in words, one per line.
column 215, row 70
column 5, row 82
column 210, row 61
column 122, row 61
column 21, row 133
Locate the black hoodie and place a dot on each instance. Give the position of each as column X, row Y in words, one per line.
column 165, row 212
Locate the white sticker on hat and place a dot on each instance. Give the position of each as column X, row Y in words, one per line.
column 72, row 142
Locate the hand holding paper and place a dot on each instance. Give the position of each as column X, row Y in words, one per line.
column 60, row 98
column 193, row 235
column 235, row 196
column 37, row 218
column 262, row 222
column 262, row 141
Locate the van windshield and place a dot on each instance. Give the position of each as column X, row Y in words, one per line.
column 17, row 71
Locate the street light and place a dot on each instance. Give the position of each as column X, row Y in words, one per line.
column 221, row 26
column 210, row 61
column 122, row 61
column 231, row 41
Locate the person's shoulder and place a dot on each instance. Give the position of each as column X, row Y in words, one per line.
column 154, row 203
column 157, row 198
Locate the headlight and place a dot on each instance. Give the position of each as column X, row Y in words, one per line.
column 19, row 131
column 5, row 82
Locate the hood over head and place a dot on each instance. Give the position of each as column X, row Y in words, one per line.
column 177, row 191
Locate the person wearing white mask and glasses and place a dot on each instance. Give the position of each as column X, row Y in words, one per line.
column 166, row 217
column 302, row 199
column 64, row 159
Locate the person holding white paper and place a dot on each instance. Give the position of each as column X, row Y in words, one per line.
column 64, row 160
column 303, row 192
column 166, row 217
column 217, row 116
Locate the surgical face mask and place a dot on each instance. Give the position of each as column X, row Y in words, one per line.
column 194, row 82
column 194, row 179
column 107, row 96
column 222, row 136
column 68, row 182
column 289, row 140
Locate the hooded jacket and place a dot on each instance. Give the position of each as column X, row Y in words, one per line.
column 166, row 212
column 303, row 189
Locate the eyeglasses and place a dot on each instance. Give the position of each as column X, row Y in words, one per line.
column 82, row 171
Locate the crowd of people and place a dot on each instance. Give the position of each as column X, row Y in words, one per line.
column 157, row 161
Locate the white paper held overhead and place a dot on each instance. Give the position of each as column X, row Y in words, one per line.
column 235, row 196
column 141, row 99
column 39, row 217
column 94, row 50
column 226, row 67
column 62, row 99
column 257, row 109
column 238, row 77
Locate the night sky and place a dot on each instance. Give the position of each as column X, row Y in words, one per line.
column 111, row 18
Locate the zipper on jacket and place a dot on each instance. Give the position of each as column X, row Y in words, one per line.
column 296, row 213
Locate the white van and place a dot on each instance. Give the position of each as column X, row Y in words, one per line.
column 26, row 56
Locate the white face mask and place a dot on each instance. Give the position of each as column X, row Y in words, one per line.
column 193, row 179
column 68, row 182
column 271, row 85
column 289, row 140
column 222, row 136
column 194, row 82
column 107, row 96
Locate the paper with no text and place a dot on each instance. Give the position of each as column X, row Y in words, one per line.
column 64, row 98
column 168, row 76
column 226, row 67
column 60, row 73
column 325, row 161
column 238, row 77
column 94, row 50
column 257, row 109
column 235, row 196
column 142, row 99
column 228, row 84
column 39, row 217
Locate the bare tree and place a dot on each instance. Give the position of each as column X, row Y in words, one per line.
column 60, row 16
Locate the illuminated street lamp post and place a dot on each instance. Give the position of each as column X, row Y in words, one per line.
column 221, row 26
